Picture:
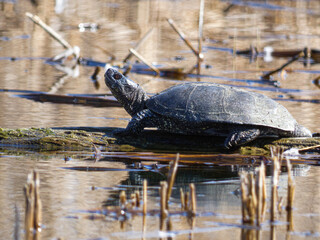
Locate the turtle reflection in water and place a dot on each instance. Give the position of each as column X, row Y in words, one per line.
column 204, row 109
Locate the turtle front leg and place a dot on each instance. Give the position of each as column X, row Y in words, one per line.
column 138, row 122
column 241, row 137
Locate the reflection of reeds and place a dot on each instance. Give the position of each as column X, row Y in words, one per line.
column 33, row 213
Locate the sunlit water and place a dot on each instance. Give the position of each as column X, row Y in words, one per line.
column 283, row 25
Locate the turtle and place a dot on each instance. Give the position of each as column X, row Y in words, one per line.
column 199, row 108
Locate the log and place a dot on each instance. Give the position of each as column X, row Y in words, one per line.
column 81, row 138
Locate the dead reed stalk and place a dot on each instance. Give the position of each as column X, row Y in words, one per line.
column 49, row 30
column 142, row 59
column 145, row 197
column 193, row 200
column 182, row 36
column 182, row 199
column 276, row 154
column 33, row 214
column 200, row 55
column 290, row 196
column 173, row 166
column 163, row 204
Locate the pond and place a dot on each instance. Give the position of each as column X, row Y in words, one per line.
column 73, row 185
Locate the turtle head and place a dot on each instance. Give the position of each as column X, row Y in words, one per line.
column 301, row 131
column 128, row 93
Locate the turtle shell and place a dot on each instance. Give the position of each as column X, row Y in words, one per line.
column 209, row 102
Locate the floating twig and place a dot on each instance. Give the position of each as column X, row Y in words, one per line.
column 138, row 44
column 142, row 59
column 308, row 148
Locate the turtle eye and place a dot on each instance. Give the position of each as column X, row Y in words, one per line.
column 117, row 76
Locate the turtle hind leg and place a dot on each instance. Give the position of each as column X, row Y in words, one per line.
column 138, row 122
column 241, row 137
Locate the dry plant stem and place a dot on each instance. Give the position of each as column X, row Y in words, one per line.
column 49, row 30
column 123, row 199
column 29, row 214
column 264, row 193
column 200, row 55
column 274, row 185
column 144, row 197
column 309, row 148
column 248, row 200
column 182, row 36
column 142, row 59
column 163, row 196
column 163, row 210
column 253, row 205
column 261, row 200
column 290, row 196
column 295, row 58
column 33, row 206
column 133, row 200
column 243, row 186
column 193, row 199
column 137, row 198
column 138, row 44
column 182, row 198
column 171, row 177
column 38, row 203
column 144, row 210
column 186, row 201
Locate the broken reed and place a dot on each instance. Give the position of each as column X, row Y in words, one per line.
column 33, row 214
column 189, row 204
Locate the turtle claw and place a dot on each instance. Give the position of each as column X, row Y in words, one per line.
column 240, row 137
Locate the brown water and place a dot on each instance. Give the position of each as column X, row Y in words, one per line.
column 64, row 191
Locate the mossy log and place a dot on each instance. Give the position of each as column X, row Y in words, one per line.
column 80, row 138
